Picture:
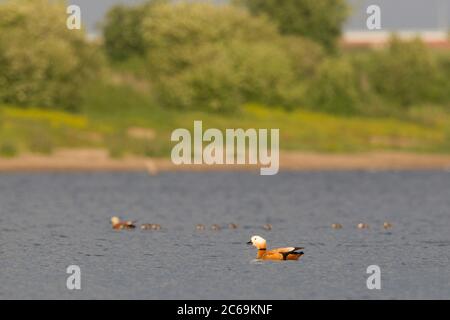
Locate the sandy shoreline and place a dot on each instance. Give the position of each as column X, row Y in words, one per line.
column 98, row 160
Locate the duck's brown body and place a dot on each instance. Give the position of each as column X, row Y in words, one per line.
column 279, row 254
column 126, row 225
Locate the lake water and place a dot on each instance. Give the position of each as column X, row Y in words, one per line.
column 53, row 220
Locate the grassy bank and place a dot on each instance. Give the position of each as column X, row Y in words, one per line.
column 124, row 120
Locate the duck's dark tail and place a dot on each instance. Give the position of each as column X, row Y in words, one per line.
column 294, row 254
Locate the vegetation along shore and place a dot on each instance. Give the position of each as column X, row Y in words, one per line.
column 124, row 92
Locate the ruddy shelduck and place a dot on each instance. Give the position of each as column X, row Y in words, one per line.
column 117, row 224
column 288, row 253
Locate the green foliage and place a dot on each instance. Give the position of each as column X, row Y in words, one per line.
column 42, row 63
column 305, row 55
column 7, row 150
column 122, row 30
column 407, row 73
column 202, row 56
column 319, row 20
column 444, row 67
column 336, row 88
column 385, row 81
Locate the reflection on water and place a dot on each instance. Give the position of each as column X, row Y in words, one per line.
column 50, row 221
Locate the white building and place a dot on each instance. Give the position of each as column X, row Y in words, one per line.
column 426, row 19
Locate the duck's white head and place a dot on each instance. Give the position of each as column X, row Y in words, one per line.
column 115, row 220
column 258, row 242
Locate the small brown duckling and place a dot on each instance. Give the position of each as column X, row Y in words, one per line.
column 117, row 224
column 156, row 227
column 363, row 226
column 232, row 226
column 387, row 225
column 200, row 227
column 215, row 227
column 336, row 226
column 151, row 226
column 146, row 226
column 267, row 227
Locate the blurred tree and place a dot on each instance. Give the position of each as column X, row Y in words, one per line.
column 122, row 30
column 305, row 54
column 335, row 88
column 407, row 73
column 203, row 56
column 121, row 35
column 319, row 20
column 42, row 63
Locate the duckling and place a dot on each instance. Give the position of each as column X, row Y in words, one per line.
column 288, row 253
column 156, row 227
column 336, row 226
column 117, row 224
column 147, row 226
column 200, row 227
column 215, row 227
column 267, row 227
column 363, row 226
column 387, row 225
column 150, row 226
column 232, row 226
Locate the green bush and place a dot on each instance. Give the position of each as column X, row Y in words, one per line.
column 443, row 61
column 202, row 56
column 319, row 20
column 7, row 150
column 212, row 86
column 336, row 87
column 173, row 33
column 42, row 63
column 407, row 73
column 236, row 73
column 404, row 75
column 122, row 34
column 305, row 55
column 208, row 57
